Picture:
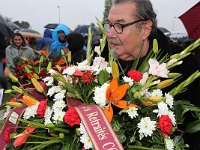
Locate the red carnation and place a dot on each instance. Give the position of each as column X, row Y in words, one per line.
column 71, row 117
column 42, row 108
column 165, row 124
column 135, row 75
column 87, row 76
column 7, row 135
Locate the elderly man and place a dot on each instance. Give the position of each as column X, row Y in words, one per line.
column 128, row 28
column 131, row 27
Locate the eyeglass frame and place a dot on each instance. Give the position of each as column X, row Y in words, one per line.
column 122, row 25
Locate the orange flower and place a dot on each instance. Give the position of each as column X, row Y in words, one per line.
column 44, row 52
column 36, row 62
column 21, row 138
column 61, row 61
column 114, row 95
column 29, row 101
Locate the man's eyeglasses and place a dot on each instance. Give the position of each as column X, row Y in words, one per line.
column 119, row 27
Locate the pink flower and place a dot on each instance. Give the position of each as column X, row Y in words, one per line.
column 71, row 117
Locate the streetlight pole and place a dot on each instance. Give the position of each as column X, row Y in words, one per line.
column 58, row 14
column 173, row 25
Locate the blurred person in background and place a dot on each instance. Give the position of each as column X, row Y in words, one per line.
column 46, row 41
column 75, row 42
column 59, row 36
column 16, row 51
column 3, row 45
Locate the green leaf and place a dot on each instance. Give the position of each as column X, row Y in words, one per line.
column 178, row 140
column 121, row 136
column 144, row 66
column 178, row 113
column 193, row 126
column 103, row 76
column 133, row 139
column 3, row 106
column 135, row 64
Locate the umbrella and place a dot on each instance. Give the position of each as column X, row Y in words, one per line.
column 191, row 21
column 83, row 29
column 30, row 34
column 5, row 28
column 164, row 30
column 13, row 26
column 51, row 25
column 30, row 31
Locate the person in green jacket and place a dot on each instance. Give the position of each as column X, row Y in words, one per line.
column 16, row 51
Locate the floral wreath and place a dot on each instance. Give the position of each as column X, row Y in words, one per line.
column 140, row 114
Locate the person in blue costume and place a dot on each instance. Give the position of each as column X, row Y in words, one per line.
column 46, row 40
column 59, row 36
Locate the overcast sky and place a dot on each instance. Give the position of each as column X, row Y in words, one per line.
column 77, row 12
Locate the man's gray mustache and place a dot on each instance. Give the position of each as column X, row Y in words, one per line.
column 114, row 41
column 113, row 52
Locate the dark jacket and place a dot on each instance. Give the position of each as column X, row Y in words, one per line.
column 3, row 46
column 79, row 56
column 190, row 65
column 76, row 46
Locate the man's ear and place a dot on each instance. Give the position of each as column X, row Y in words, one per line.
column 147, row 28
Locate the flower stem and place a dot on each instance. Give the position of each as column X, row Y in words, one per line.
column 141, row 148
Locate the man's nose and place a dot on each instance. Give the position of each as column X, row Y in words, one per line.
column 111, row 32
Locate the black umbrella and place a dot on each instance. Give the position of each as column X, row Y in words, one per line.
column 5, row 29
column 13, row 26
column 83, row 29
column 51, row 25
column 165, row 31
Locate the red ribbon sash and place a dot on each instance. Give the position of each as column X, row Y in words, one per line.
column 11, row 122
column 98, row 128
